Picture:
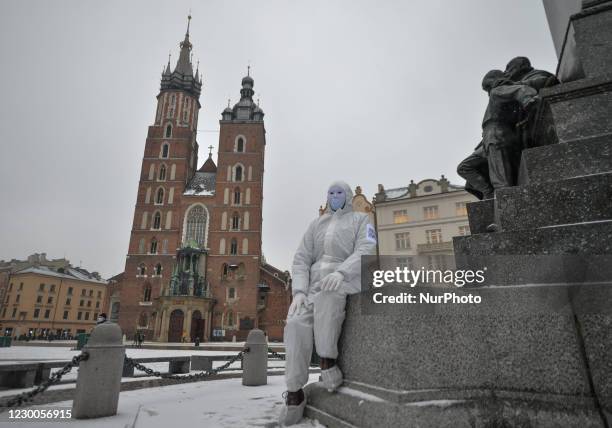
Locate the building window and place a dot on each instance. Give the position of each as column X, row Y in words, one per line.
column 36, row 313
column 80, row 315
column 83, row 292
column 231, row 293
column 15, row 313
column 99, row 294
column 52, row 289
column 402, row 241
column 142, row 269
column 41, row 287
column 20, row 286
column 47, row 313
column 237, row 196
column 196, row 225
column 97, row 305
column 235, row 221
column 49, row 300
column 38, row 299
column 168, row 131
column 234, row 247
column 238, row 173
column 17, row 298
column 86, row 316
column 430, row 213
column 89, row 303
column 82, row 302
column 65, row 315
column 157, row 221
column 158, row 269
column 400, row 216
column 90, row 293
column 70, row 291
column 461, row 208
column 162, row 173
column 464, row 230
column 154, row 246
column 165, row 151
column 240, row 145
column 159, row 198
column 147, row 293
column 68, row 301
column 404, row 262
column 434, row 236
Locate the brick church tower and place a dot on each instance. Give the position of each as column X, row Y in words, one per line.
column 194, row 266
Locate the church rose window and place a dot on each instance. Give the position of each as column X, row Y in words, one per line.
column 196, row 225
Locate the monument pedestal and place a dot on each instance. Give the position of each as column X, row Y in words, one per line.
column 538, row 353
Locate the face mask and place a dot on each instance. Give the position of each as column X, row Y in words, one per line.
column 100, row 319
column 336, row 198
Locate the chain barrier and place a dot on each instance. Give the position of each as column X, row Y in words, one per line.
column 53, row 379
column 276, row 354
column 187, row 378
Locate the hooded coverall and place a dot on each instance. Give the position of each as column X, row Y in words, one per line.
column 334, row 242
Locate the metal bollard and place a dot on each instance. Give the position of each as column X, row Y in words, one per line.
column 255, row 362
column 99, row 378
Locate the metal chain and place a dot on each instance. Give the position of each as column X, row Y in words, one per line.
column 189, row 377
column 276, row 354
column 55, row 378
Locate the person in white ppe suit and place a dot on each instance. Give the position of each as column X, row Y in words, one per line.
column 326, row 268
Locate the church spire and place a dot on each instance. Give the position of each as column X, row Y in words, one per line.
column 183, row 65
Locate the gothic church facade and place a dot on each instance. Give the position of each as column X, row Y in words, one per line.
column 194, row 267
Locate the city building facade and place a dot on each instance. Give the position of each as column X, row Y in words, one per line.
column 416, row 223
column 194, row 268
column 42, row 301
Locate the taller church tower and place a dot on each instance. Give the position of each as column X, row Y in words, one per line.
column 194, row 267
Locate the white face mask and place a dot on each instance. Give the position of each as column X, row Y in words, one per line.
column 100, row 319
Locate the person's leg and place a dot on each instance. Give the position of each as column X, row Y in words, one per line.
column 328, row 318
column 471, row 169
column 298, row 348
column 502, row 166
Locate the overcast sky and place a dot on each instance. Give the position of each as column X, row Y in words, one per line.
column 364, row 91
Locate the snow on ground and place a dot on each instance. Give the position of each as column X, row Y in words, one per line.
column 17, row 354
column 212, row 404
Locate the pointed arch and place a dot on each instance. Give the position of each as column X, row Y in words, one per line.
column 235, row 221
column 168, row 131
column 238, row 172
column 237, row 196
column 165, row 151
column 161, row 176
column 156, row 221
column 159, row 196
column 195, row 225
column 234, row 247
column 153, row 248
column 240, row 143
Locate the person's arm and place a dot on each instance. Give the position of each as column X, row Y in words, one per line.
column 364, row 246
column 522, row 94
column 302, row 261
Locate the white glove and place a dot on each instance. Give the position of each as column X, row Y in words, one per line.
column 299, row 302
column 332, row 281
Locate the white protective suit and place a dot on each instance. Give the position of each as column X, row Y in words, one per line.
column 334, row 242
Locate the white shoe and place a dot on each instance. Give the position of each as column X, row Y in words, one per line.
column 291, row 415
column 331, row 378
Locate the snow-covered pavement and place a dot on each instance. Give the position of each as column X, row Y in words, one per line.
column 17, row 354
column 212, row 404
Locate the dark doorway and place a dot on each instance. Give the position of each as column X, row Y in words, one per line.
column 175, row 329
column 197, row 326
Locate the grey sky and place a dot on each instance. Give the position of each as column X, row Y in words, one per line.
column 364, row 91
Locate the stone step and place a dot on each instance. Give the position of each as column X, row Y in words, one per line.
column 574, row 200
column 593, row 238
column 566, row 160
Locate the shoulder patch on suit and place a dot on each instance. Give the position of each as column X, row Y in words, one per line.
column 370, row 233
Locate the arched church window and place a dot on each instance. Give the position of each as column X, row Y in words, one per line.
column 153, row 246
column 224, row 270
column 159, row 198
column 142, row 269
column 146, row 293
column 196, row 225
column 237, row 196
column 168, row 131
column 240, row 145
column 234, row 247
column 238, row 173
column 162, row 173
column 235, row 221
column 157, row 220
column 158, row 269
column 165, row 151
